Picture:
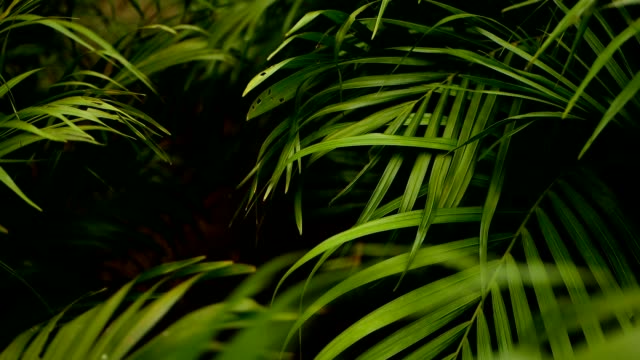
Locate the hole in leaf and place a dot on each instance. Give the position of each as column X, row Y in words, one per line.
column 281, row 100
column 258, row 101
column 263, row 74
column 269, row 92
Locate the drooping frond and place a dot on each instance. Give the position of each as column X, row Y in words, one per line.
column 442, row 110
column 118, row 328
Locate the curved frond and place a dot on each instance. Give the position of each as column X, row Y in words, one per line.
column 481, row 89
column 116, row 329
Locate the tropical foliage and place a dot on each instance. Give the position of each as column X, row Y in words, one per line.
column 75, row 105
column 112, row 329
column 447, row 111
column 468, row 160
column 66, row 80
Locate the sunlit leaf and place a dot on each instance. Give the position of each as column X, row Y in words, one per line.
column 433, row 348
column 388, row 223
column 422, row 299
column 8, row 85
column 337, row 16
column 418, row 330
column 630, row 90
column 570, row 18
column 602, row 60
column 6, row 179
column 495, row 188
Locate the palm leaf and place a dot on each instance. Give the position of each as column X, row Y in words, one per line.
column 629, row 91
column 522, row 279
column 66, row 113
column 104, row 331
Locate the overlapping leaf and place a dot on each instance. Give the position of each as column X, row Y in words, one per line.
column 519, row 292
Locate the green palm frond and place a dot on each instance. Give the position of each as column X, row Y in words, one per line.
column 117, row 329
column 171, row 46
column 80, row 107
column 560, row 273
column 439, row 124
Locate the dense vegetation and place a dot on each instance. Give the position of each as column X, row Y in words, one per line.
column 415, row 179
